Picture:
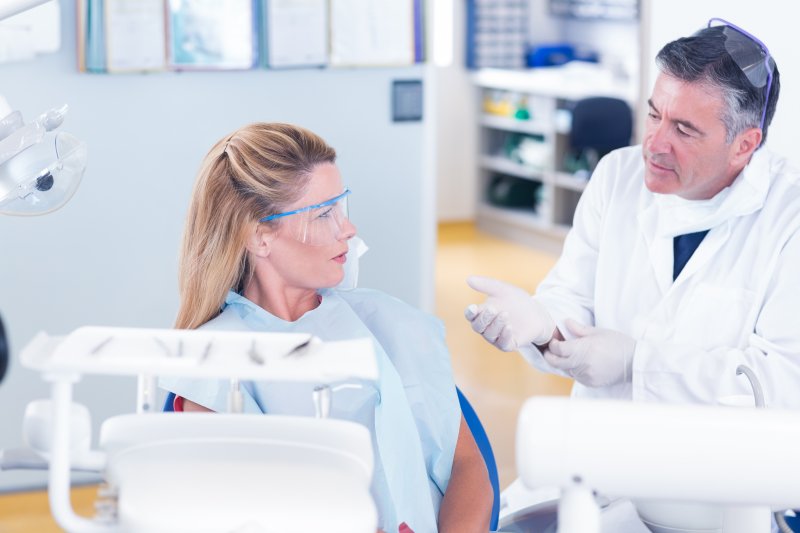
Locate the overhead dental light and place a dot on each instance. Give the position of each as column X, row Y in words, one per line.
column 40, row 169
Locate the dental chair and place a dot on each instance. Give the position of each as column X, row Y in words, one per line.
column 204, row 472
column 478, row 433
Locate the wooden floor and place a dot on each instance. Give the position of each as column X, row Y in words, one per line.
column 496, row 383
column 29, row 512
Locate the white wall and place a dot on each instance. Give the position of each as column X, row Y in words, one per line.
column 456, row 132
column 772, row 21
column 109, row 257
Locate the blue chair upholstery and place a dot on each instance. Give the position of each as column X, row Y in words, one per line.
column 482, row 440
column 602, row 123
column 478, row 433
column 599, row 124
column 168, row 403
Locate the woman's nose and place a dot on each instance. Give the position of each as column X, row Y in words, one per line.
column 348, row 230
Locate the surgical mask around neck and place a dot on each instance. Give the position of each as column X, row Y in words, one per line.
column 356, row 248
column 679, row 216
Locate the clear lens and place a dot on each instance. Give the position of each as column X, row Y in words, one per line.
column 749, row 56
column 43, row 177
column 318, row 226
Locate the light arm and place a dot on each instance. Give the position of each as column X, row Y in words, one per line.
column 12, row 7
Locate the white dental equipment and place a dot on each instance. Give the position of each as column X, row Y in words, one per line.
column 12, row 7
column 204, row 472
column 744, row 460
column 40, row 169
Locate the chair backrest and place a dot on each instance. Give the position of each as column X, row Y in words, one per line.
column 169, row 403
column 478, row 433
column 602, row 123
column 482, row 440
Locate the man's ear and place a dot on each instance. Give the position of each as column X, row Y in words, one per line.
column 258, row 242
column 745, row 144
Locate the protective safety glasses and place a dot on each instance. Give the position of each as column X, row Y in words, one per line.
column 750, row 55
column 315, row 225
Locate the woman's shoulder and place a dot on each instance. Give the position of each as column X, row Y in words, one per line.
column 377, row 308
column 227, row 320
column 377, row 301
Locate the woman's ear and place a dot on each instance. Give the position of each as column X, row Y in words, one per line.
column 258, row 243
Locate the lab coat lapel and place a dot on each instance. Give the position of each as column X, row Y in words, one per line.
column 707, row 249
column 659, row 247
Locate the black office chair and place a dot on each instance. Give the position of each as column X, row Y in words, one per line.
column 599, row 124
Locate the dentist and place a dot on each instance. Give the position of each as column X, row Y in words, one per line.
column 683, row 260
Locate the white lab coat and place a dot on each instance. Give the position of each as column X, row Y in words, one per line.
column 737, row 300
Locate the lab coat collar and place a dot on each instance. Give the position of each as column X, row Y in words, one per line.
column 659, row 248
column 746, row 195
column 662, row 217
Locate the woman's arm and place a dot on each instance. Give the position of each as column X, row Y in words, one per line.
column 467, row 503
column 190, row 406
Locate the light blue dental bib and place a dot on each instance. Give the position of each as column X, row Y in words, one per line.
column 413, row 416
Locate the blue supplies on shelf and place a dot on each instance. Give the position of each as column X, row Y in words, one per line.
column 549, row 55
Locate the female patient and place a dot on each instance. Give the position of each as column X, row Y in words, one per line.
column 265, row 243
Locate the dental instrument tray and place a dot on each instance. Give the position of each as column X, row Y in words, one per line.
column 204, row 472
column 201, row 354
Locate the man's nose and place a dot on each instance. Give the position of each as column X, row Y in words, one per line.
column 657, row 139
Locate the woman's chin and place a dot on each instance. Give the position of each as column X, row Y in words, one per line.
column 333, row 282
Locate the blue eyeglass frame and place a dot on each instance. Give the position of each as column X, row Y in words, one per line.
column 767, row 58
column 307, row 208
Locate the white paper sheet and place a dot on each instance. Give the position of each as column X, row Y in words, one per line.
column 297, row 33
column 372, row 32
column 135, row 35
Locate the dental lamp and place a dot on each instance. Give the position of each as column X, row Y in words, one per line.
column 742, row 460
column 40, row 169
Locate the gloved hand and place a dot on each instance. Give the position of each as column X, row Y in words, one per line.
column 510, row 317
column 595, row 357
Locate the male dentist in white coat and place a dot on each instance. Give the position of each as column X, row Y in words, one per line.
column 684, row 258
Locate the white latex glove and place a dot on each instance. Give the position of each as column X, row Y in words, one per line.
column 595, row 357
column 510, row 317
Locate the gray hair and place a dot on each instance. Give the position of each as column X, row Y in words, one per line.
column 702, row 58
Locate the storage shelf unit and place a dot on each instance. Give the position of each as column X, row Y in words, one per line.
column 532, row 149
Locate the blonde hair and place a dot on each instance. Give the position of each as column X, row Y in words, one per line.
column 254, row 172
